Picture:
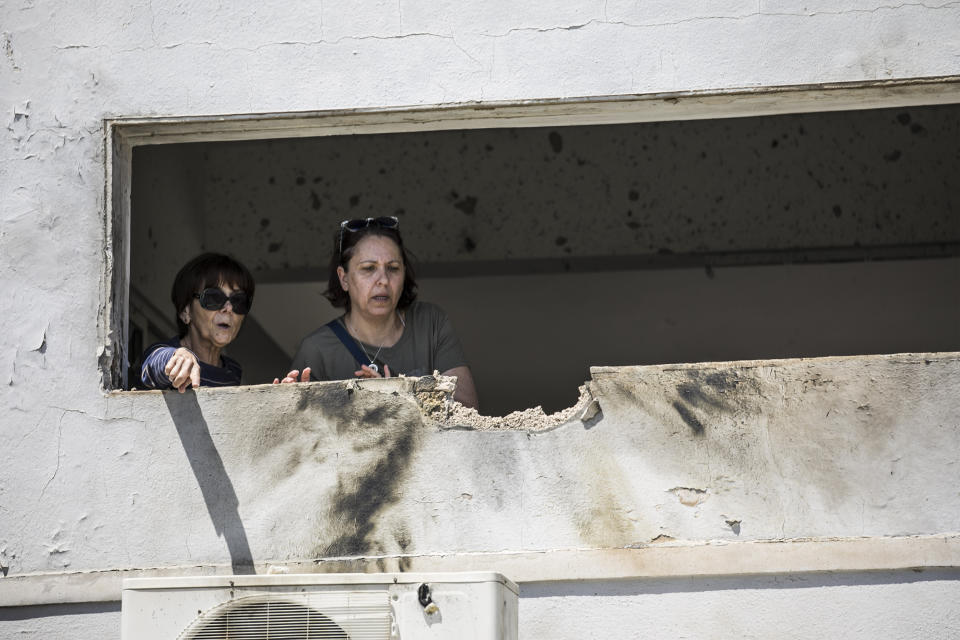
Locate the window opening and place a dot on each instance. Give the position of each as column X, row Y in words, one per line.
column 557, row 248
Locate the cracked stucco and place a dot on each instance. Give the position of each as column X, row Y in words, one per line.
column 634, row 16
column 353, row 58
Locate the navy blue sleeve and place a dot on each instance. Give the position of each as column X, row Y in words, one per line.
column 155, row 361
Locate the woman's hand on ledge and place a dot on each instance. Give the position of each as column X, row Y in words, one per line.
column 465, row 394
column 367, row 372
column 183, row 369
column 294, row 376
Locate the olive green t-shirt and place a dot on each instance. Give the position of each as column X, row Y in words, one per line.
column 427, row 344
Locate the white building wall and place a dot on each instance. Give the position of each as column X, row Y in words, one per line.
column 102, row 483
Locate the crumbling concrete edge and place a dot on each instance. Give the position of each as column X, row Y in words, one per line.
column 433, row 394
column 586, row 412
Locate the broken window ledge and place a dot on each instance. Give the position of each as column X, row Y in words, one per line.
column 433, row 395
column 700, row 388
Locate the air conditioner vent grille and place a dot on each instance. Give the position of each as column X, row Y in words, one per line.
column 329, row 615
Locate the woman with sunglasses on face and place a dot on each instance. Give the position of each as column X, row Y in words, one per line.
column 211, row 295
column 384, row 331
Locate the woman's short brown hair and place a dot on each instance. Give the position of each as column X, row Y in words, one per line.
column 207, row 270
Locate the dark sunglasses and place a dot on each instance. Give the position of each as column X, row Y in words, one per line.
column 214, row 299
column 385, row 222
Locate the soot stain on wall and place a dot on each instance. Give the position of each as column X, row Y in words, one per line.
column 401, row 535
column 317, row 400
column 358, row 500
column 379, row 432
column 605, row 521
column 324, row 397
column 467, row 205
column 699, row 398
column 689, row 418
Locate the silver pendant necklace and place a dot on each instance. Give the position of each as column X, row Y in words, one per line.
column 372, row 365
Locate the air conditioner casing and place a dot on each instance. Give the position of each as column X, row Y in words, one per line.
column 386, row 606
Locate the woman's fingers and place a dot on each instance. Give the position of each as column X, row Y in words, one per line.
column 195, row 374
column 188, row 372
column 181, row 380
column 172, row 367
column 182, row 370
column 175, row 371
column 294, row 376
column 386, row 371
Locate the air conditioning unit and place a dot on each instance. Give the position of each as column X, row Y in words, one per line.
column 342, row 606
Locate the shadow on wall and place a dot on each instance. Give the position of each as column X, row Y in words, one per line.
column 700, row 584
column 218, row 492
column 10, row 614
column 881, row 604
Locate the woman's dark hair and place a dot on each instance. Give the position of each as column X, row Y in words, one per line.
column 341, row 256
column 207, row 270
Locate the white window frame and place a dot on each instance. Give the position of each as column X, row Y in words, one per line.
column 122, row 135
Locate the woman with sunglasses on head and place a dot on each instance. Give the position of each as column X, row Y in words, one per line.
column 384, row 331
column 211, row 295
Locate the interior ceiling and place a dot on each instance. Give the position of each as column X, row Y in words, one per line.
column 844, row 179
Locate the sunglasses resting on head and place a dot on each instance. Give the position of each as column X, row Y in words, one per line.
column 385, row 222
column 214, row 299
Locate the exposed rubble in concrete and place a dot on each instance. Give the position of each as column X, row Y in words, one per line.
column 534, row 419
column 434, row 396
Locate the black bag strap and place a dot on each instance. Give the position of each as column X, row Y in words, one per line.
column 341, row 332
